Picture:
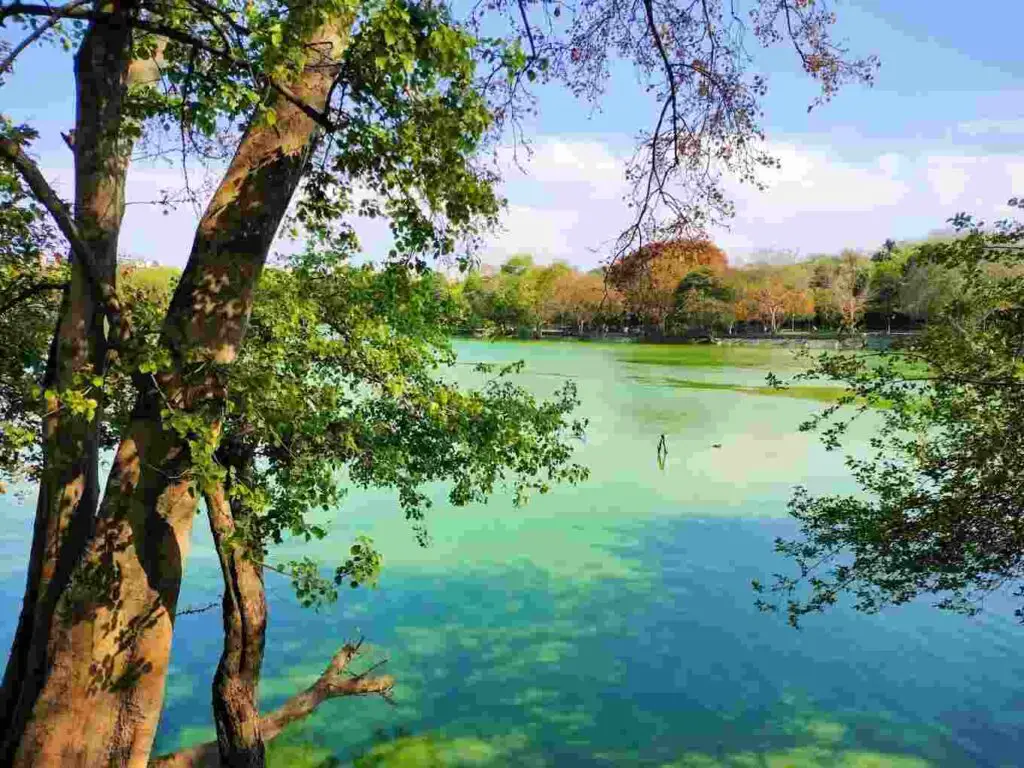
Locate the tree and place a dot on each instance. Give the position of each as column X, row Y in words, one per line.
column 940, row 512
column 31, row 283
column 885, row 285
column 546, row 281
column 649, row 276
column 886, row 252
column 336, row 373
column 514, row 301
column 849, row 290
column 339, row 374
column 403, row 96
column 772, row 295
column 167, row 451
column 704, row 301
column 927, row 288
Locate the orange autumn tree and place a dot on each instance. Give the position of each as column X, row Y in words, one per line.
column 771, row 296
column 583, row 298
column 648, row 277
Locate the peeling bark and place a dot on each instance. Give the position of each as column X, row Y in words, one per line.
column 111, row 634
column 335, row 682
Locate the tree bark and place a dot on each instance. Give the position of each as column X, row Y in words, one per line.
column 336, row 681
column 69, row 483
column 111, row 634
column 236, row 703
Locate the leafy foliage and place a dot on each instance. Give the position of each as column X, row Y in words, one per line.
column 343, row 373
column 649, row 276
column 342, row 382
column 940, row 512
column 31, row 282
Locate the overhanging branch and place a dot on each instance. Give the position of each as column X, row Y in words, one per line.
column 74, row 10
column 44, row 193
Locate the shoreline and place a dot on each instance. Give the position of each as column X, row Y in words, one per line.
column 865, row 340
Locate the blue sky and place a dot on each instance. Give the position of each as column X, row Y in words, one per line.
column 942, row 130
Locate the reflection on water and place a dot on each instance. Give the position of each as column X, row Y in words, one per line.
column 613, row 624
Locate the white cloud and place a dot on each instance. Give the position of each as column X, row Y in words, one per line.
column 820, row 203
column 568, row 164
column 815, row 180
column 982, row 127
column 1015, row 170
column 546, row 233
column 568, row 203
column 816, row 202
column 949, row 177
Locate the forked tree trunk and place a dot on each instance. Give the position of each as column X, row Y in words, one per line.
column 69, row 484
column 111, row 635
column 241, row 732
column 335, row 681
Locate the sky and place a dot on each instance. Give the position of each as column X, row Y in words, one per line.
column 941, row 131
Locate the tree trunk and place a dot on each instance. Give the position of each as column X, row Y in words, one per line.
column 241, row 733
column 69, row 484
column 111, row 636
column 236, row 704
column 336, row 681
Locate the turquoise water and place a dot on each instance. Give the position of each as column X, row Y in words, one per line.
column 613, row 623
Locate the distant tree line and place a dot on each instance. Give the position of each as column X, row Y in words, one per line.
column 688, row 288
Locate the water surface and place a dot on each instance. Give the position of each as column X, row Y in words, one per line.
column 613, row 623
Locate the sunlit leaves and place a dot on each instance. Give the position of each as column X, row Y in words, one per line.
column 942, row 509
column 31, row 280
column 339, row 383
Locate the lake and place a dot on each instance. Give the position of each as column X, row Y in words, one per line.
column 613, row 623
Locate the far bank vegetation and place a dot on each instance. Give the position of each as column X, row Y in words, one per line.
column 689, row 289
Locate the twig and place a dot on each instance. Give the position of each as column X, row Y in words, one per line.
column 46, row 285
column 192, row 610
column 42, row 29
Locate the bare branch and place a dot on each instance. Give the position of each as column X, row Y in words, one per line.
column 526, row 26
column 192, row 610
column 69, row 11
column 669, row 72
column 335, row 682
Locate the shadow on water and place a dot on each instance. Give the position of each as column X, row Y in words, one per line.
column 613, row 624
column 671, row 665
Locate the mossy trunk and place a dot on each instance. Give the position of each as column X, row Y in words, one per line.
column 111, row 635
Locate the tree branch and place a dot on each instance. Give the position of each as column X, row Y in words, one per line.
column 171, row 33
column 45, row 194
column 69, row 11
column 38, row 32
column 526, row 27
column 669, row 73
column 31, row 290
column 336, row 681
